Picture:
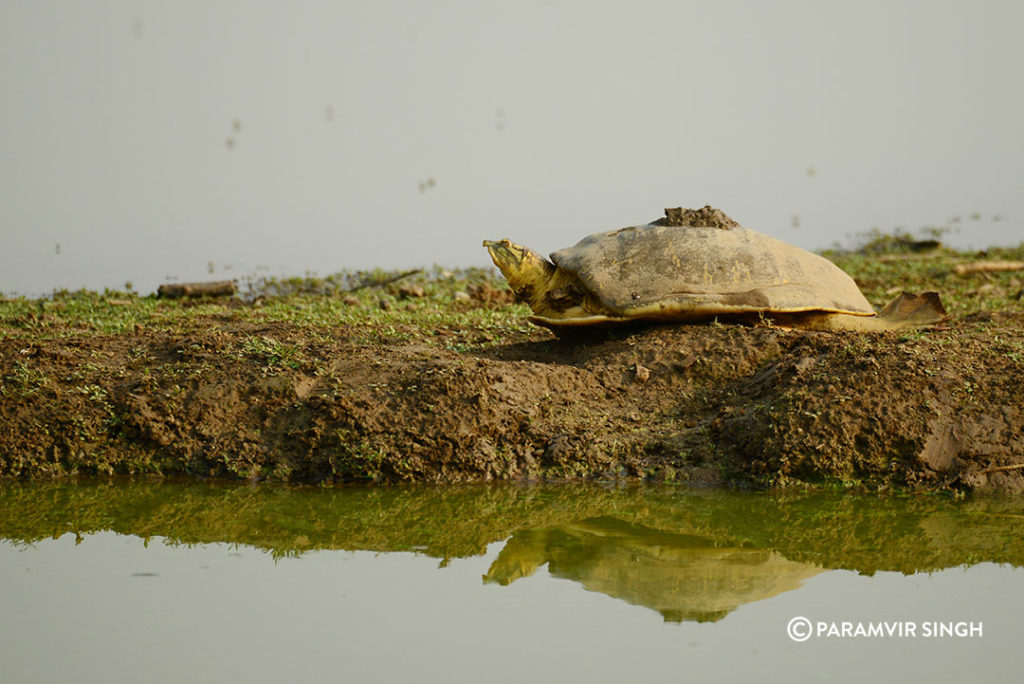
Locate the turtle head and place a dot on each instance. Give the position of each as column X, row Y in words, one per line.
column 528, row 273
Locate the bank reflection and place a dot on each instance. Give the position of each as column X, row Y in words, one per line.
column 688, row 554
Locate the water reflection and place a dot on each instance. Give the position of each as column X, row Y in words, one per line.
column 683, row 577
column 690, row 555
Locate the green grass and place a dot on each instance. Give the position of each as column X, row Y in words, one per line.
column 378, row 313
column 22, row 380
column 371, row 308
column 882, row 276
column 271, row 353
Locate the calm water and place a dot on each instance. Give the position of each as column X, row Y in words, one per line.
column 198, row 582
column 142, row 141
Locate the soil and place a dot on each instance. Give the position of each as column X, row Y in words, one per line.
column 713, row 403
column 706, row 216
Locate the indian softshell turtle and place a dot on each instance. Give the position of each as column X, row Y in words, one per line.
column 696, row 265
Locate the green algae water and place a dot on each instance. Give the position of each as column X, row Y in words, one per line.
column 167, row 582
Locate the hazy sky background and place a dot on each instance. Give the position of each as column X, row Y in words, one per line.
column 148, row 139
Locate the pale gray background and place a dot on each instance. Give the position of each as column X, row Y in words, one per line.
column 540, row 121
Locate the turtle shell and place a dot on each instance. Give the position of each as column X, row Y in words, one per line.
column 692, row 271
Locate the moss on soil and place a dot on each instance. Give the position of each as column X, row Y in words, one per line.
column 437, row 377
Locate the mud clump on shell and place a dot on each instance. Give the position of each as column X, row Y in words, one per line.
column 705, row 217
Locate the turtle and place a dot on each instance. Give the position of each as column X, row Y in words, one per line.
column 696, row 265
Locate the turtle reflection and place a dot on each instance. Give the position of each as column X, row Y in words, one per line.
column 682, row 576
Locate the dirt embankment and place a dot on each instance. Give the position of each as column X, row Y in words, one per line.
column 706, row 403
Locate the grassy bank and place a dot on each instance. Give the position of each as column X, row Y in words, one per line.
column 436, row 376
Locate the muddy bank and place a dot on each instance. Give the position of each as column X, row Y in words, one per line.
column 275, row 400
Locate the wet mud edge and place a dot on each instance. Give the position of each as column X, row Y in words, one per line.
column 712, row 404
